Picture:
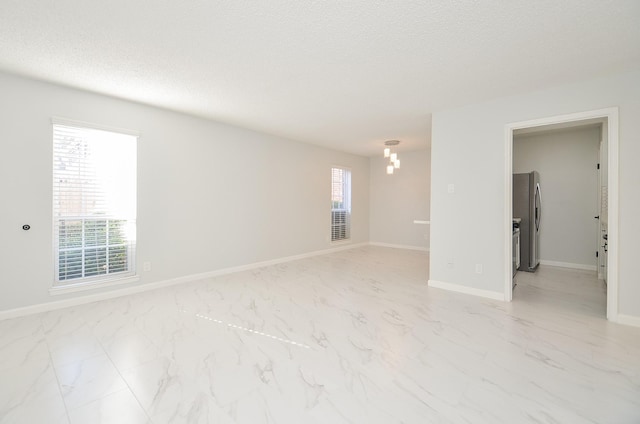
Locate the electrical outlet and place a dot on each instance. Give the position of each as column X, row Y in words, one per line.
column 450, row 263
column 451, row 188
column 478, row 268
column 146, row 266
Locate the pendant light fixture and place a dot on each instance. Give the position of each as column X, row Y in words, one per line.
column 394, row 162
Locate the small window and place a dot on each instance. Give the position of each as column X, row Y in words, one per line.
column 94, row 204
column 340, row 204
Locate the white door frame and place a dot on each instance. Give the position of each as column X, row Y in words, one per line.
column 611, row 114
column 599, row 241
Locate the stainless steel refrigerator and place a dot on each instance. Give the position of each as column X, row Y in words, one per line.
column 527, row 205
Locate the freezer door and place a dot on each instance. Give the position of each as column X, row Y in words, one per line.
column 536, row 215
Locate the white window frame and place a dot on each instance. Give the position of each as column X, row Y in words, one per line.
column 345, row 209
column 97, row 281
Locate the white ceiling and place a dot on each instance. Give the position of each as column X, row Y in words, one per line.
column 343, row 74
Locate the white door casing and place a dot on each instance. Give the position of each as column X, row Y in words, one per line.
column 611, row 116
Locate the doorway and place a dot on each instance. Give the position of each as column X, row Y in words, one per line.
column 610, row 117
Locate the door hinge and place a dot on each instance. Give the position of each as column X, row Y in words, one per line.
column 597, row 253
column 598, row 166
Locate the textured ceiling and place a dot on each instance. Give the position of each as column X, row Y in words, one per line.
column 344, row 74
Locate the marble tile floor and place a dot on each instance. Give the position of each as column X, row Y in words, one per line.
column 349, row 337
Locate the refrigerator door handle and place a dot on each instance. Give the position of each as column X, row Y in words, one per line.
column 539, row 193
column 538, row 206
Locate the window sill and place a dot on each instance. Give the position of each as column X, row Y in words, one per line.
column 343, row 241
column 92, row 285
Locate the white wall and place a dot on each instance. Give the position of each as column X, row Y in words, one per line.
column 468, row 149
column 399, row 199
column 566, row 160
column 210, row 196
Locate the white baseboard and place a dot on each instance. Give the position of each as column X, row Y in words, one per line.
column 627, row 320
column 466, row 290
column 569, row 265
column 80, row 300
column 399, row 246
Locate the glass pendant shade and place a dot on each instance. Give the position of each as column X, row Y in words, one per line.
column 394, row 162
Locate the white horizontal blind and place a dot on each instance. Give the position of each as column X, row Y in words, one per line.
column 94, row 204
column 340, row 204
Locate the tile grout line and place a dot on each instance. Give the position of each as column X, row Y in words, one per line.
column 55, row 371
column 106, row 352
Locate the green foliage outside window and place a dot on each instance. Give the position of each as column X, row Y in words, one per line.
column 91, row 247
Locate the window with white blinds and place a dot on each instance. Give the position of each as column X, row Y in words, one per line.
column 340, row 204
column 94, row 204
